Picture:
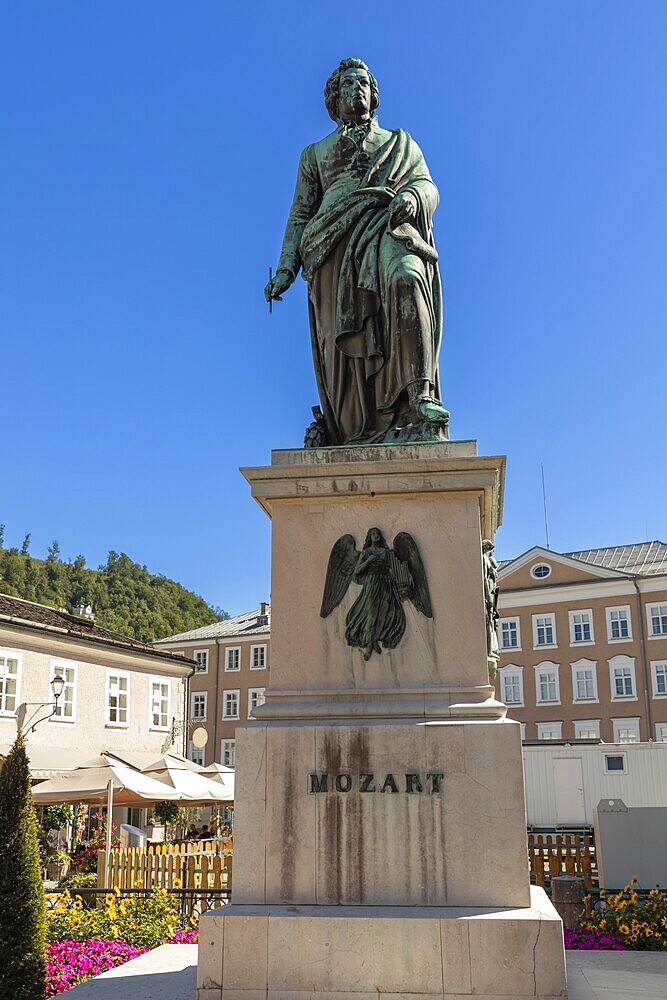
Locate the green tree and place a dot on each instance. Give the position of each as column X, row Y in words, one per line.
column 13, row 572
column 2, row 535
column 26, row 545
column 22, row 906
column 124, row 595
column 31, row 580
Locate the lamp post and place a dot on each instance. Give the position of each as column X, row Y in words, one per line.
column 57, row 685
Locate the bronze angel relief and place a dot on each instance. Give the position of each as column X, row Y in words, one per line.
column 387, row 577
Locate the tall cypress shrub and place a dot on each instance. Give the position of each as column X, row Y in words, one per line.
column 22, row 906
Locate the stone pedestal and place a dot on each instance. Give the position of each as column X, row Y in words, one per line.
column 380, row 830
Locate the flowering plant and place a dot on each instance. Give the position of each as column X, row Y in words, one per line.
column 69, row 963
column 144, row 921
column 592, row 940
column 639, row 923
column 86, row 860
column 189, row 936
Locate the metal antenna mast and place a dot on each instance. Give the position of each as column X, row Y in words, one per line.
column 544, row 502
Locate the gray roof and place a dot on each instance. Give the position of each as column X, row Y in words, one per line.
column 640, row 559
column 30, row 615
column 250, row 623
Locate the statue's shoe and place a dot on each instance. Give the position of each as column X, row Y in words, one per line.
column 432, row 411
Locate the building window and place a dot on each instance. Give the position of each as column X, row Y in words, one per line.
column 230, row 704
column 228, row 752
column 661, row 732
column 198, row 708
column 201, row 656
column 618, row 624
column 257, row 657
column 66, row 708
column 549, row 730
column 626, row 730
column 195, row 754
column 232, row 658
column 587, row 729
column 160, row 714
column 547, row 688
column 509, row 633
column 622, row 674
column 584, row 681
column 614, row 763
column 511, row 685
column 118, row 698
column 523, row 731
column 659, row 672
column 581, row 626
column 657, row 619
column 255, row 698
column 544, row 630
column 540, row 571
column 10, row 671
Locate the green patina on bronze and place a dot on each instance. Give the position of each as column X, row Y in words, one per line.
column 387, row 577
column 491, row 607
column 360, row 231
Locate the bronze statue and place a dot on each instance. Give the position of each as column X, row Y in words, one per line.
column 387, row 577
column 360, row 230
column 491, row 606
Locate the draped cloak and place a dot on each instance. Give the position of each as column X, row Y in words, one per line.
column 374, row 291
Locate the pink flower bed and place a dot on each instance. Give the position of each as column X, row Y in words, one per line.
column 592, row 940
column 191, row 936
column 69, row 963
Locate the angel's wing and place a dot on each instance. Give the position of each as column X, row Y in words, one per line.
column 407, row 552
column 342, row 561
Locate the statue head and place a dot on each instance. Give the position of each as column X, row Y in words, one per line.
column 333, row 87
column 487, row 545
column 374, row 537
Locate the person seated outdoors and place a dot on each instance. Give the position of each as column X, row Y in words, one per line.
column 205, row 833
column 193, row 832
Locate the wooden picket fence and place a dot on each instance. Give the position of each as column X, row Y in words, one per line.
column 196, row 866
column 562, row 854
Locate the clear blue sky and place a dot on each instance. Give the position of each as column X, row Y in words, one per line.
column 149, row 157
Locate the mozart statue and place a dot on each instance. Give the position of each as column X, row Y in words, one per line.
column 360, row 231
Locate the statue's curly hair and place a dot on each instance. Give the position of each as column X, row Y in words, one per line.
column 331, row 89
column 368, row 541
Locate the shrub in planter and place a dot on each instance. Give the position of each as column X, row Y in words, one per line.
column 57, row 865
column 165, row 812
column 79, row 880
column 22, row 907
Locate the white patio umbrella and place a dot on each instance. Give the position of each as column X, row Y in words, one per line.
column 189, row 780
column 222, row 774
column 91, row 780
column 100, row 778
column 219, row 772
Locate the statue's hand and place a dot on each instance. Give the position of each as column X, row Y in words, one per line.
column 403, row 208
column 278, row 284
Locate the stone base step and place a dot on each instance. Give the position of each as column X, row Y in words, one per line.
column 276, row 952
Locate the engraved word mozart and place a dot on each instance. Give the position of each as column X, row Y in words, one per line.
column 347, row 782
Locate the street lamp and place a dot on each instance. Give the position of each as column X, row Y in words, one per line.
column 57, row 685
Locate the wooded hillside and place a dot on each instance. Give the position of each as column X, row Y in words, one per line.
column 124, row 596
